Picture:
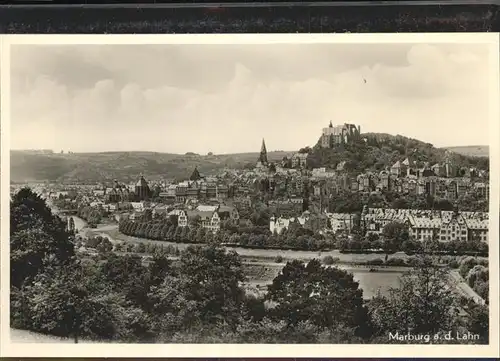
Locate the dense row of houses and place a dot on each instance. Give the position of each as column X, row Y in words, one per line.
column 449, row 188
column 444, row 226
column 209, row 217
column 195, row 190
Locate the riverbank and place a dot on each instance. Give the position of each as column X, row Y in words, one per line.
column 112, row 233
column 372, row 279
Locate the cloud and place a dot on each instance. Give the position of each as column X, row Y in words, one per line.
column 187, row 98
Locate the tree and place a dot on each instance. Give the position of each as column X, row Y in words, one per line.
column 173, row 220
column 61, row 302
column 148, row 215
column 38, row 239
column 195, row 221
column 71, row 225
column 105, row 245
column 424, row 303
column 394, row 234
column 159, row 268
column 94, row 217
column 126, row 275
column 478, row 322
column 324, row 296
column 210, row 277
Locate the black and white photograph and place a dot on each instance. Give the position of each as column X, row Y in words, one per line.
column 251, row 190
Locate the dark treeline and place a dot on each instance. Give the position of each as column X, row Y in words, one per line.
column 166, row 229
column 394, row 237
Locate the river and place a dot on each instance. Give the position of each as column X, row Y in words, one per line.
column 370, row 282
column 80, row 224
column 112, row 233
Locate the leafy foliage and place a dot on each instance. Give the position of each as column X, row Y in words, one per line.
column 424, row 303
column 324, row 296
column 380, row 151
column 38, row 239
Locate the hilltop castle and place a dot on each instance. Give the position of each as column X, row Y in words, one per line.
column 339, row 134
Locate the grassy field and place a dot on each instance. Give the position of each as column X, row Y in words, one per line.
column 472, row 151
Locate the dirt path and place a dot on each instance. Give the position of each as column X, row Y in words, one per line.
column 464, row 288
column 23, row 336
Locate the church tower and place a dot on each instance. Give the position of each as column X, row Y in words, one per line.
column 195, row 175
column 263, row 154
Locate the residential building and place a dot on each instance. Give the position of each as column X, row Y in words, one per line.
column 341, row 222
column 299, row 160
column 280, row 224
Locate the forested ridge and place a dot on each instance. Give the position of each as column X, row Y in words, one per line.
column 380, row 151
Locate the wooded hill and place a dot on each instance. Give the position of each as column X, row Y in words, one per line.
column 381, row 151
column 124, row 166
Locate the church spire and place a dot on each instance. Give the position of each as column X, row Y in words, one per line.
column 195, row 175
column 263, row 153
column 330, row 126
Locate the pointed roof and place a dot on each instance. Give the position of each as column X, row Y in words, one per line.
column 142, row 182
column 330, row 126
column 397, row 164
column 408, row 162
column 195, row 175
column 263, row 147
column 263, row 153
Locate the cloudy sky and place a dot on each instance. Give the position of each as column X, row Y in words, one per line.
column 226, row 98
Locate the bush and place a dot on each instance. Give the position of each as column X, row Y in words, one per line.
column 396, row 262
column 411, row 261
column 375, row 262
column 329, row 260
column 278, row 259
column 453, row 264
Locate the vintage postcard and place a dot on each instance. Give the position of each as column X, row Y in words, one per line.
column 250, row 195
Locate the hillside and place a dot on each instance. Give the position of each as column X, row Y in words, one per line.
column 124, row 166
column 380, row 151
column 472, row 150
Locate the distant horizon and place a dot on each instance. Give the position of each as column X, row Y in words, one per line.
column 57, row 151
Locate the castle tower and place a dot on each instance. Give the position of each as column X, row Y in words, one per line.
column 263, row 154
